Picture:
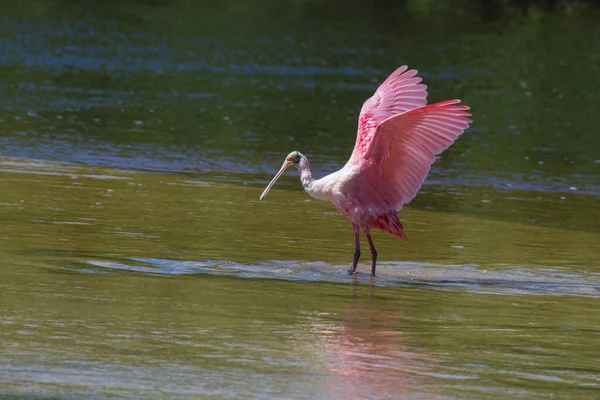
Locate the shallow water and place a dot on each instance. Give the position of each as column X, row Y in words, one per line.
column 137, row 262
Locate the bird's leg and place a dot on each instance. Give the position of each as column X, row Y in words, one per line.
column 356, row 230
column 373, row 253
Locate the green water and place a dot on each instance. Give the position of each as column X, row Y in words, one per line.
column 137, row 262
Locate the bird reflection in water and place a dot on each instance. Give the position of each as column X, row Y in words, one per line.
column 364, row 350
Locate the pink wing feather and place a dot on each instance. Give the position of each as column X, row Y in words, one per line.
column 398, row 139
column 404, row 148
column 400, row 92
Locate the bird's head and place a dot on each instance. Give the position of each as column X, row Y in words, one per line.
column 296, row 159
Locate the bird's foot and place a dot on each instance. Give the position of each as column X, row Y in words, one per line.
column 351, row 271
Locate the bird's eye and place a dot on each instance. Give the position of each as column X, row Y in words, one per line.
column 296, row 159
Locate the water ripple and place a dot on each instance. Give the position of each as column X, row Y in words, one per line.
column 514, row 280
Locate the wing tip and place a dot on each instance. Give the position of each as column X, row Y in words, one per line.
column 401, row 72
column 401, row 69
column 461, row 107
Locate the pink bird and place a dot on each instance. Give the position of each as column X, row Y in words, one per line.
column 398, row 139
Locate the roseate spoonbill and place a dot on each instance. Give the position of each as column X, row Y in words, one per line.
column 397, row 141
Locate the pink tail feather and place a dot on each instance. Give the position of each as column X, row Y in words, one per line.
column 390, row 223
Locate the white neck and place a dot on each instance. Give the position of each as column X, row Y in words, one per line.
column 305, row 175
column 314, row 188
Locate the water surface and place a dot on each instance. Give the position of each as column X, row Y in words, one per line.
column 137, row 262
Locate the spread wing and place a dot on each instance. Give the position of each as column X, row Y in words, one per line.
column 396, row 159
column 400, row 92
